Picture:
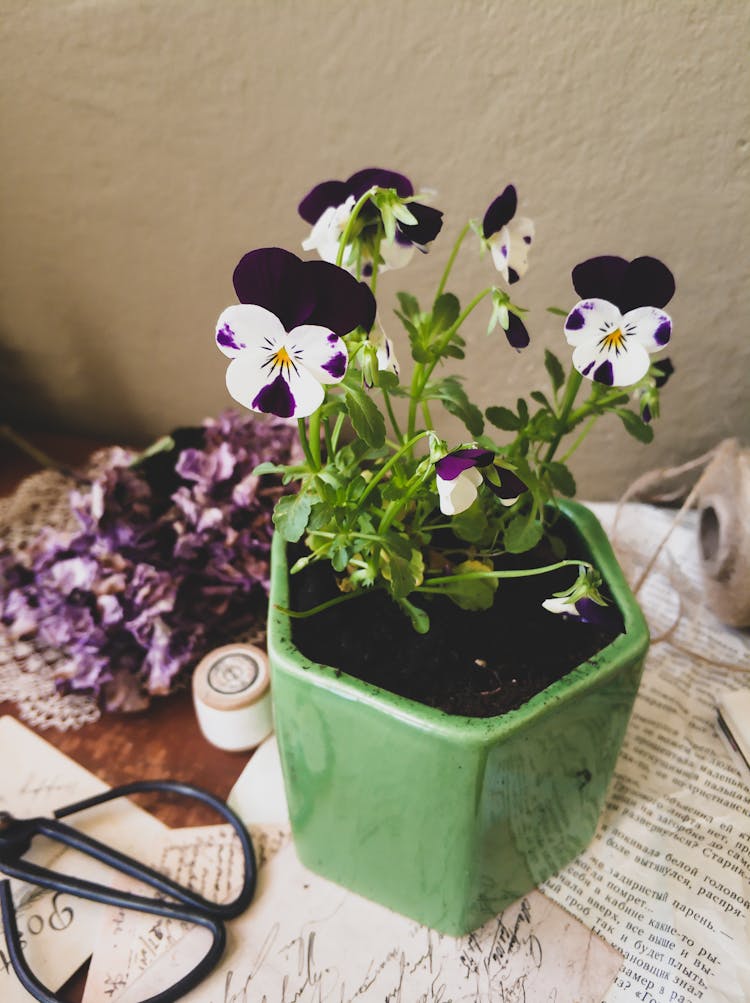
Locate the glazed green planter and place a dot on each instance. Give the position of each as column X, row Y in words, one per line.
column 449, row 819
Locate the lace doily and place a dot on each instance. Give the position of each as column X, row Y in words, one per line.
column 27, row 671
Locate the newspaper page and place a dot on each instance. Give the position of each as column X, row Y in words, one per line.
column 667, row 878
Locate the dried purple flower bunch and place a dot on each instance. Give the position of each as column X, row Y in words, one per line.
column 171, row 559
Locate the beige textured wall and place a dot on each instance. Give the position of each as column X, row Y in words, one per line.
column 147, row 145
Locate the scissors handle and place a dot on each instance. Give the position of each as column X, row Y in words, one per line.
column 189, row 907
column 174, row 992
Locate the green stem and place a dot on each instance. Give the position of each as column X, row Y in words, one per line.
column 518, row 573
column 382, row 471
column 452, row 259
column 571, row 389
column 589, row 425
column 427, row 415
column 303, row 614
column 314, row 440
column 391, row 415
column 42, row 458
column 305, row 443
column 400, row 503
column 350, row 223
column 337, row 430
column 327, row 434
column 416, row 378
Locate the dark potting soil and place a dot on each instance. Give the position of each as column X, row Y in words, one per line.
column 472, row 664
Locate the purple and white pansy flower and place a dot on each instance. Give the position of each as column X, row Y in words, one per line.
column 329, row 205
column 459, row 475
column 508, row 237
column 285, row 337
column 619, row 322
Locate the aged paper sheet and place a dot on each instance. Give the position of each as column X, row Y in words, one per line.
column 58, row 931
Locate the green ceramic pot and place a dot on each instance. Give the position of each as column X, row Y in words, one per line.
column 449, row 819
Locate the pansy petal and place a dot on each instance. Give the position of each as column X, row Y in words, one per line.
column 647, row 282
column 371, row 177
column 516, row 333
column 662, row 370
column 560, row 605
column 590, row 320
column 521, row 234
column 428, row 226
column 320, row 351
column 499, row 245
column 500, row 212
column 510, row 488
column 600, row 278
column 246, row 328
column 459, row 494
column 395, row 254
column 277, row 280
column 449, row 467
column 324, row 236
column 322, row 197
column 341, row 303
column 291, row 393
column 648, row 326
column 611, row 367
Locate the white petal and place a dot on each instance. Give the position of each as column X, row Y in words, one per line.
column 518, row 257
column 325, row 234
column 284, row 391
column 395, row 255
column 457, row 495
column 590, row 320
column 321, row 352
column 499, row 244
column 559, row 605
column 386, row 356
column 613, row 368
column 650, row 327
column 245, row 327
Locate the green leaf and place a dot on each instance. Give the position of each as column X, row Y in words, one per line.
column 541, row 398
column 403, row 574
column 420, row 621
column 366, row 419
column 445, row 312
column 338, row 554
column 635, row 426
column 455, row 400
column 561, row 478
column 409, row 304
column 523, row 410
column 471, row 524
column 472, row 593
column 291, row 514
column 554, row 367
column 321, row 517
column 268, row 468
column 522, row 533
column 503, row 417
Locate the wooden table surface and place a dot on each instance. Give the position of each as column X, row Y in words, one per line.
column 161, row 742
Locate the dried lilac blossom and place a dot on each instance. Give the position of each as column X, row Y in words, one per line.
column 169, row 560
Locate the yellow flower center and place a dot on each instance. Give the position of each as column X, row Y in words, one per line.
column 282, row 359
column 615, row 340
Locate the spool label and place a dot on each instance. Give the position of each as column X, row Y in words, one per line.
column 233, row 673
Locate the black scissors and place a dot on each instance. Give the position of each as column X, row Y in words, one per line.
column 16, row 836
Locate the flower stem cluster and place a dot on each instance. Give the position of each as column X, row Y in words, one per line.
column 380, row 495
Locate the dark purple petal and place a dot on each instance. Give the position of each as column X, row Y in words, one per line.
column 642, row 282
column 228, row 339
column 604, row 374
column 663, row 333
column 322, row 197
column 455, row 463
column 575, row 320
column 600, row 278
column 511, row 486
column 500, row 212
column 341, row 303
column 604, row 616
column 517, row 335
column 666, row 369
column 428, row 225
column 369, row 177
column 513, row 275
column 275, row 398
column 336, row 366
column 647, row 282
column 278, row 281
column 646, row 414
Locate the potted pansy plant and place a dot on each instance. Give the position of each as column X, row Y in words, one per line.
column 454, row 649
